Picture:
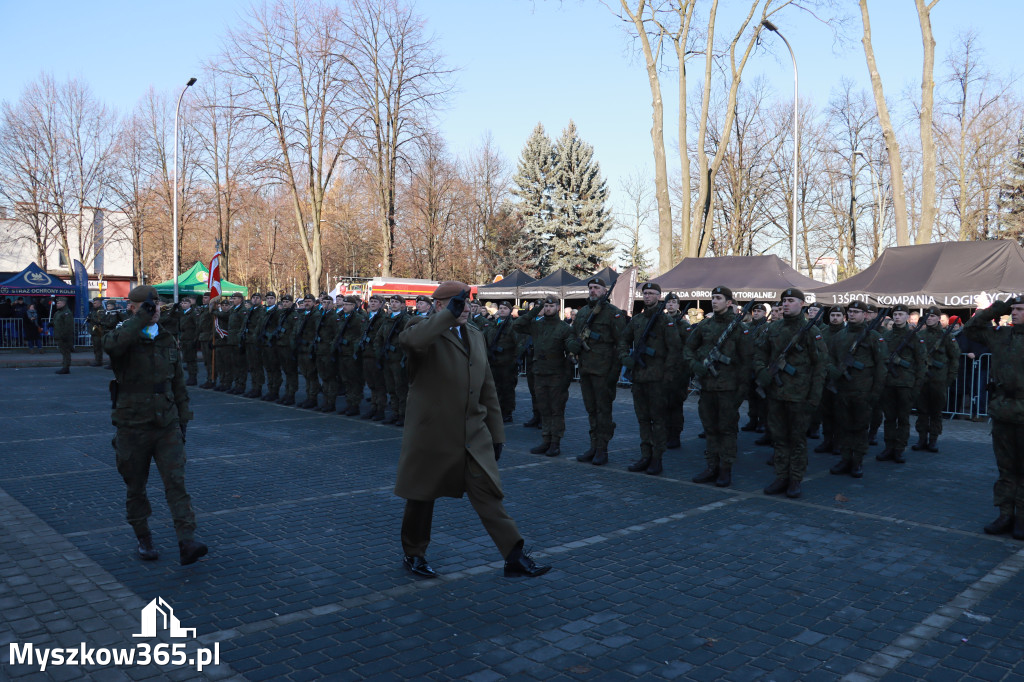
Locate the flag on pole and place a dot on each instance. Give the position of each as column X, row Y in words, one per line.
column 215, row 275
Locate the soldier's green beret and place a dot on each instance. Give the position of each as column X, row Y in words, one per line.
column 857, row 305
column 901, row 308
column 237, row 294
column 872, row 308
column 596, row 280
column 671, row 296
column 396, row 297
column 286, row 297
column 724, row 291
column 378, row 297
column 354, row 300
column 426, row 299
column 549, row 299
column 793, row 292
column 507, row 304
column 933, row 310
column 142, row 293
column 270, row 294
column 651, row 286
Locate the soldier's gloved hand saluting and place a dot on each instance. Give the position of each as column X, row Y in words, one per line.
column 147, row 308
column 458, row 303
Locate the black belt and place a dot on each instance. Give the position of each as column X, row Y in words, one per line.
column 155, row 388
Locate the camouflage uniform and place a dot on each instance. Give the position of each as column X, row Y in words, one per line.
column 325, row 357
column 188, row 327
column 502, row 355
column 232, row 320
column 552, row 373
column 372, row 369
column 249, row 347
column 942, row 361
column 268, row 351
column 392, row 359
column 904, row 374
column 596, row 345
column 827, row 408
column 757, row 407
column 350, row 364
column 284, row 349
column 204, row 325
column 677, row 385
column 302, row 343
column 63, row 322
column 96, row 333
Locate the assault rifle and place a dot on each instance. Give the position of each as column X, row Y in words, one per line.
column 640, row 348
column 383, row 355
column 895, row 360
column 316, row 336
column 285, row 316
column 936, row 364
column 780, row 364
column 368, row 335
column 494, row 347
column 245, row 330
column 339, row 339
column 587, row 334
column 849, row 360
column 715, row 354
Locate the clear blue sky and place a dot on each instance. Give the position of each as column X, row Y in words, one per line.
column 520, row 61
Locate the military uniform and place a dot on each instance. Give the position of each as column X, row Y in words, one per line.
column 552, row 372
column 392, row 360
column 250, row 350
column 284, row 349
column 502, row 356
column 757, row 407
column 827, row 408
column 373, row 371
column 905, row 368
column 942, row 362
column 526, row 360
column 721, row 395
column 677, row 384
column 110, row 319
column 151, row 409
column 645, row 349
column 232, row 320
column 204, row 324
column 302, row 343
column 96, row 332
column 790, row 364
column 325, row 356
column 188, row 328
column 855, row 387
column 1006, row 407
column 597, row 331
column 63, row 322
column 352, row 326
column 265, row 347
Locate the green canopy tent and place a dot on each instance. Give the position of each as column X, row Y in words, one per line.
column 195, row 281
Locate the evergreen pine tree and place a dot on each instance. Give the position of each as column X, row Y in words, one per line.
column 533, row 188
column 581, row 219
column 634, row 255
column 1011, row 195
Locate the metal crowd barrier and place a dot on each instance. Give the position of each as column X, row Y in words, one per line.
column 12, row 333
column 968, row 395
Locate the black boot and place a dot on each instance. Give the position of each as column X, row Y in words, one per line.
column 555, row 450
column 884, row 455
column 1003, row 524
column 534, row 421
column 933, row 443
column 921, row 444
column 271, row 397
column 191, row 551
column 825, row 446
column 709, row 474
column 587, row 456
column 600, row 457
column 897, row 456
column 857, row 470
column 724, row 479
column 777, row 486
column 794, row 491
column 541, row 449
column 843, row 466
column 147, row 552
column 640, row 465
column 654, row 468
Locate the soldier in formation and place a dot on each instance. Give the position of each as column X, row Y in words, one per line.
column 392, row 358
column 904, row 373
column 188, row 337
column 830, row 439
column 677, row 376
column 94, row 320
column 552, row 370
column 942, row 359
column 503, row 357
column 351, row 327
column 373, row 371
column 63, row 322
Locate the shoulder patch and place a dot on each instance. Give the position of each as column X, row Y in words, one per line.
column 671, row 324
column 880, row 339
column 746, row 331
column 817, row 337
column 920, row 340
column 618, row 314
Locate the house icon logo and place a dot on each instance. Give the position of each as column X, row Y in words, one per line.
column 159, row 613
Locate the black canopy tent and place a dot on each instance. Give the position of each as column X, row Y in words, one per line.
column 556, row 284
column 947, row 274
column 582, row 291
column 758, row 278
column 506, row 288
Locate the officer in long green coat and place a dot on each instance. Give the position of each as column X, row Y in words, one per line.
column 392, row 358
column 790, row 364
column 96, row 331
column 942, row 357
column 857, row 373
column 648, row 344
column 552, row 371
column 597, row 331
column 283, row 340
column 904, row 375
column 188, row 330
column 351, row 327
column 151, row 411
column 373, row 372
column 63, row 322
column 723, row 383
column 1006, row 407
column 502, row 356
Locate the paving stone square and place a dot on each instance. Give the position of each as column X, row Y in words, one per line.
column 887, row 577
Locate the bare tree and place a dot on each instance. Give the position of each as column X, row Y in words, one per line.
column 486, row 175
column 22, row 172
column 928, row 154
column 632, row 224
column 131, row 189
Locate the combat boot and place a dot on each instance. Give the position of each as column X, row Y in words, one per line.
column 921, row 444
column 825, row 446
column 766, row 439
column 534, row 421
column 1003, row 524
column 587, row 456
column 897, row 456
column 309, row 404
column 287, row 400
column 709, row 474
column 190, row 551
column 554, row 450
column 843, row 466
column 654, row 468
column 191, row 380
column 271, row 397
column 751, row 425
column 884, row 455
column 794, row 491
column 724, row 476
column 601, row 456
column 147, row 552
column 779, row 485
column 857, row 470
column 1018, row 528
column 933, row 444
column 673, row 442
column 640, row 465
column 541, row 449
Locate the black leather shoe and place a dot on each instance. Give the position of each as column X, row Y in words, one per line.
column 857, row 471
column 418, row 565
column 654, row 468
column 541, row 449
column 921, row 444
column 840, row 467
column 587, row 456
column 897, row 456
column 190, row 551
column 777, row 486
column 824, row 447
column 147, row 552
column 706, row 476
column 639, row 465
column 724, row 479
column 519, row 564
column 794, row 491
column 933, row 444
column 534, row 421
column 884, row 455
column 600, row 457
column 1003, row 524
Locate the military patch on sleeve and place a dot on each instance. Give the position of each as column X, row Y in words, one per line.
column 671, row 324
column 920, row 340
column 817, row 337
column 746, row 331
column 618, row 314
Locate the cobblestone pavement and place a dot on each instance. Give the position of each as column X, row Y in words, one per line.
column 887, row 577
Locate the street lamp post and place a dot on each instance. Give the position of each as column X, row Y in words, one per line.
column 174, row 202
column 796, row 137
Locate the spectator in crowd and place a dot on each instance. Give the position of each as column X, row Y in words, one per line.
column 33, row 330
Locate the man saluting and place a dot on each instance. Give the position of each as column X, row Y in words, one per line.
column 453, row 435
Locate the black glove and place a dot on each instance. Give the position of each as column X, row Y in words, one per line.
column 458, row 303
column 184, row 427
column 498, row 447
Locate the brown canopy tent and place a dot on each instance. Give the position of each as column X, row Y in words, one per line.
column 947, row 274
column 758, row 278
